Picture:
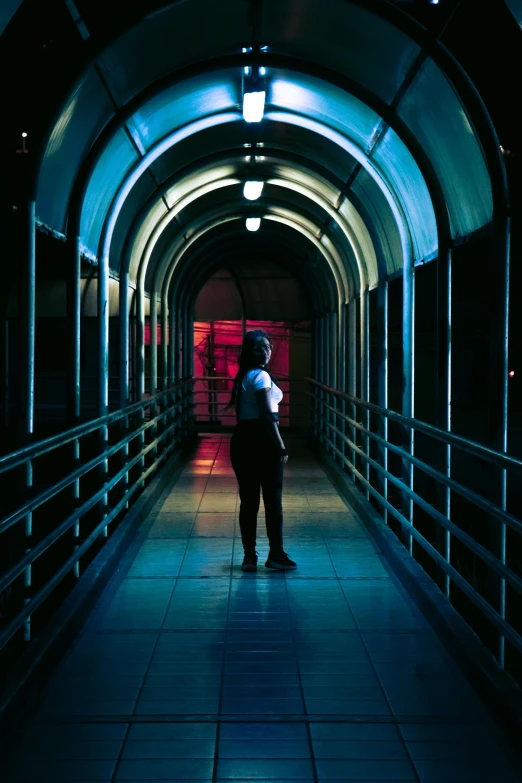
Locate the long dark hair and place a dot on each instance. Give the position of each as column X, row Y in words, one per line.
column 247, row 361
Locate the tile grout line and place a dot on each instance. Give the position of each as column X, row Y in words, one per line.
column 223, row 662
column 301, row 688
column 140, row 691
column 403, row 743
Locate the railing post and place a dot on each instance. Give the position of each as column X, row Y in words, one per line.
column 75, row 493
column 73, row 372
column 408, row 375
column 352, row 369
column 332, row 333
column 28, row 537
column 341, row 378
column 27, row 341
column 382, row 385
column 365, row 380
column 103, row 373
column 444, row 280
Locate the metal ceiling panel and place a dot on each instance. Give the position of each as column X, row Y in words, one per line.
column 381, row 222
column 142, row 191
column 86, row 111
column 156, row 212
column 184, row 32
column 400, row 170
column 325, row 103
column 515, row 6
column 434, row 112
column 184, row 103
column 115, row 161
column 341, row 36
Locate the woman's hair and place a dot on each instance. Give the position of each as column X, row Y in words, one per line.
column 247, row 361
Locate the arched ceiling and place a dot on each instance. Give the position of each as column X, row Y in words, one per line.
column 368, row 147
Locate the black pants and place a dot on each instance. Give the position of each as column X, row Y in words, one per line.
column 257, row 465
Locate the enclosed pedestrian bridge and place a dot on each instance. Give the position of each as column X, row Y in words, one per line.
column 332, row 172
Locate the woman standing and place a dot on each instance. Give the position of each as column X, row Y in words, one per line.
column 257, row 451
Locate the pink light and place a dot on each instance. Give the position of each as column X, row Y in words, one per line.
column 511, row 373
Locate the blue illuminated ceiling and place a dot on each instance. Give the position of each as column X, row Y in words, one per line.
column 369, row 147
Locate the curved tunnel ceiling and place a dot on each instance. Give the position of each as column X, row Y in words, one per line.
column 392, row 154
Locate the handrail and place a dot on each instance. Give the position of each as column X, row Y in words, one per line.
column 335, row 429
column 483, row 553
column 156, row 435
column 472, row 447
column 34, row 450
column 59, row 486
column 42, row 594
column 499, row 622
column 486, row 505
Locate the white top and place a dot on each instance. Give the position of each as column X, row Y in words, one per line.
column 253, row 381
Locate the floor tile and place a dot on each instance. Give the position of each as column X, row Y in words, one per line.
column 322, row 659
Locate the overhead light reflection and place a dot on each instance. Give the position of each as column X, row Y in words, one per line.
column 252, row 190
column 253, row 224
column 253, row 106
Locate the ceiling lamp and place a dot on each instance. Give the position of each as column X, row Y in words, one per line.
column 253, row 224
column 253, row 106
column 252, row 190
column 254, row 93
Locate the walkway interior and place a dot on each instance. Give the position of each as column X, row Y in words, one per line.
column 191, row 670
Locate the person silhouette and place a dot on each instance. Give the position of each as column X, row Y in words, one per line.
column 257, row 451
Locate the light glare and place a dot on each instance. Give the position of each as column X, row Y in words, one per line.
column 252, row 190
column 253, row 106
column 253, row 224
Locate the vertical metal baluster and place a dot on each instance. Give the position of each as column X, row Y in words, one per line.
column 28, row 536
column 341, row 380
column 327, row 372
column 333, row 378
column 504, row 425
column 75, row 503
column 352, row 369
column 27, row 341
column 365, row 379
column 73, row 374
column 316, row 361
column 321, row 379
column 103, row 374
column 408, row 374
column 382, row 381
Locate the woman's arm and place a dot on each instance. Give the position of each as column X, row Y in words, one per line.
column 267, row 420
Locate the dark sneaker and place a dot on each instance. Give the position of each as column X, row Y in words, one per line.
column 249, row 562
column 281, row 562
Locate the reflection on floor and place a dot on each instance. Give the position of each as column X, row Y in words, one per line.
column 191, row 670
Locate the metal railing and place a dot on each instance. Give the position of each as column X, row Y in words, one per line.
column 68, row 489
column 212, row 394
column 339, row 420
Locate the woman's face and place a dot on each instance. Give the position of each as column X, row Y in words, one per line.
column 262, row 351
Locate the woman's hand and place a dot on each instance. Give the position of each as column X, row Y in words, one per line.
column 284, row 455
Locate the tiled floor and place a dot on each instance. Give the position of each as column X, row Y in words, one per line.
column 191, row 670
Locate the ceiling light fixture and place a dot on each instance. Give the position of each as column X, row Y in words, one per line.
column 254, row 91
column 253, row 106
column 253, row 224
column 252, row 190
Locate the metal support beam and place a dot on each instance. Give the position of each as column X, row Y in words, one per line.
column 73, row 331
column 352, row 367
column 153, row 383
column 408, row 377
column 365, row 373
column 124, row 339
column 27, row 322
column 382, row 384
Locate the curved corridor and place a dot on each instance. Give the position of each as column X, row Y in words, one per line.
column 189, row 669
